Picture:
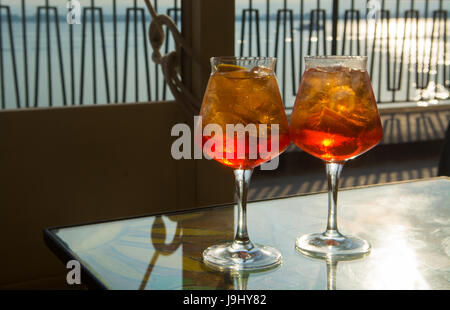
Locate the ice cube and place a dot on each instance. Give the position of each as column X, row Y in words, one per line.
column 260, row 72
column 342, row 99
column 335, row 123
column 222, row 119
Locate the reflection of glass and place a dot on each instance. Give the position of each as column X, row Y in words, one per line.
column 240, row 279
column 243, row 91
column 158, row 237
column 332, row 262
column 335, row 118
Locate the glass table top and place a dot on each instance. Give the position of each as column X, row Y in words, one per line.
column 407, row 224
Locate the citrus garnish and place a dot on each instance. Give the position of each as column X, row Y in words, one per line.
column 229, row 68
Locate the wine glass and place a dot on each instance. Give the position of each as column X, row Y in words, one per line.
column 241, row 114
column 335, row 118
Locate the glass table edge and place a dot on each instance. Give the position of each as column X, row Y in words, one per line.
column 64, row 254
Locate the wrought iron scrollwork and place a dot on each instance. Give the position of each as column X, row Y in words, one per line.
column 171, row 62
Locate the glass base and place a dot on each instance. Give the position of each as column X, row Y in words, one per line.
column 229, row 256
column 339, row 246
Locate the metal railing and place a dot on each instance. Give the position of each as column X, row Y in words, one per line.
column 406, row 42
column 47, row 61
column 60, row 52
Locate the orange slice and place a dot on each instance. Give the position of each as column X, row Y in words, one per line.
column 229, row 68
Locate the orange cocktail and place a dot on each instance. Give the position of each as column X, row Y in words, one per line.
column 243, row 124
column 335, row 116
column 235, row 95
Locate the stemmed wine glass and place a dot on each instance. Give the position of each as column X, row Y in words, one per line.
column 335, row 118
column 243, row 125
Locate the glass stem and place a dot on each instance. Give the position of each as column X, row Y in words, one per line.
column 242, row 182
column 334, row 170
column 331, row 274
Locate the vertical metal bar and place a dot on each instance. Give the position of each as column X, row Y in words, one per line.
column 72, row 65
column 430, row 61
column 358, row 19
column 394, row 78
column 175, row 2
column 124, row 93
column 13, row 55
column 36, row 66
column 166, row 50
column 60, row 55
column 242, row 32
column 301, row 39
column 311, row 23
column 284, row 49
column 324, row 33
column 173, row 13
column 439, row 17
column 83, row 48
column 292, row 53
column 94, row 62
column 417, row 44
column 422, row 83
column 136, row 61
column 49, row 56
column 284, row 12
column 409, row 17
column 385, row 16
column 147, row 69
column 444, row 13
column 250, row 21
column 444, row 71
column 442, row 24
column 105, row 62
column 372, row 60
column 318, row 29
column 116, row 83
column 366, row 36
column 258, row 41
column 317, row 21
column 181, row 30
column 352, row 10
column 1, row 63
column 398, row 86
column 267, row 26
column 156, row 66
column 354, row 22
column 276, row 36
column 335, row 25
column 344, row 33
column 25, row 55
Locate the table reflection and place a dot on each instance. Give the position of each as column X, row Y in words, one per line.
column 238, row 279
column 158, row 237
column 332, row 263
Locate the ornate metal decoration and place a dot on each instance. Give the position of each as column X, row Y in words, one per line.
column 171, row 62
